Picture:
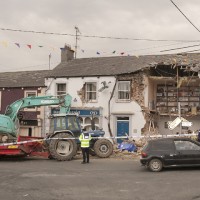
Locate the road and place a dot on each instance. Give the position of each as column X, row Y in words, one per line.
column 112, row 179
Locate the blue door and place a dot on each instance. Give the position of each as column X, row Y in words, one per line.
column 122, row 127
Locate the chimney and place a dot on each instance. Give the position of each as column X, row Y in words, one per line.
column 67, row 54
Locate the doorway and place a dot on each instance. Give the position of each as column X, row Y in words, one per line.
column 122, row 127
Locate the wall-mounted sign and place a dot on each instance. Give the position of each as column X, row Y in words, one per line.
column 174, row 124
column 29, row 122
column 80, row 112
column 187, row 123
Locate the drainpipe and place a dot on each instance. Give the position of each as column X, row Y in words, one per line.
column 111, row 96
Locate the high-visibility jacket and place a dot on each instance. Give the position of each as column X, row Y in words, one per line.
column 85, row 140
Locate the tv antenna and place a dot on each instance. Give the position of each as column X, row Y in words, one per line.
column 77, row 38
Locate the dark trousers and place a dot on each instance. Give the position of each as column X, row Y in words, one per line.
column 85, row 152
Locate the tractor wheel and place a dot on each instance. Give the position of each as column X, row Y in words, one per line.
column 103, row 148
column 62, row 149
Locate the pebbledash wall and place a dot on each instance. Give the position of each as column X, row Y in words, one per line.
column 125, row 117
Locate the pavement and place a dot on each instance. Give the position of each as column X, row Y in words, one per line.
column 111, row 178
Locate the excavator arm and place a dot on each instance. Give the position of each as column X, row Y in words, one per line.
column 8, row 121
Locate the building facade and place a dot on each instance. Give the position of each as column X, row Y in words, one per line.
column 130, row 95
column 18, row 85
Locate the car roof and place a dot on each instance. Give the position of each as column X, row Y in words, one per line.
column 169, row 139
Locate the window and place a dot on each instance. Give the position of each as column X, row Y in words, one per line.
column 61, row 89
column 91, row 91
column 0, row 100
column 186, row 145
column 60, row 123
column 123, row 90
column 30, row 94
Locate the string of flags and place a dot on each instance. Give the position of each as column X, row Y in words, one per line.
column 30, row 46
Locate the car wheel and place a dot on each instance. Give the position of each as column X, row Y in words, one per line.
column 155, row 165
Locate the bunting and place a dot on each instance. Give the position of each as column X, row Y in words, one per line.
column 29, row 46
column 17, row 44
column 5, row 44
column 102, row 53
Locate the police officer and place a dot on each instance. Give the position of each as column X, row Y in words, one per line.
column 85, row 146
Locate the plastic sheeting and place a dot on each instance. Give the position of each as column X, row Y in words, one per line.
column 129, row 146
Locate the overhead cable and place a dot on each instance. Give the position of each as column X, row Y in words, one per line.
column 180, row 48
column 185, row 16
column 96, row 36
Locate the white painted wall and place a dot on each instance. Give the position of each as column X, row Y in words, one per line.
column 131, row 109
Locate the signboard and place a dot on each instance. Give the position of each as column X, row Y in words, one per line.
column 174, row 124
column 29, row 122
column 187, row 123
column 80, row 112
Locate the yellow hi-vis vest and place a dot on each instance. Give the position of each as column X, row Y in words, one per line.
column 85, row 140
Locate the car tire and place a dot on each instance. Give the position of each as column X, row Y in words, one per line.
column 155, row 165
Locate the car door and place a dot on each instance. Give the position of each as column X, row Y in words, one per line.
column 187, row 152
column 165, row 149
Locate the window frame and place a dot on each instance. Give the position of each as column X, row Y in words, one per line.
column 26, row 92
column 92, row 91
column 0, row 99
column 62, row 91
column 125, row 91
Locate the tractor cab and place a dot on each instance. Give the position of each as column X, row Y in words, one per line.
column 63, row 122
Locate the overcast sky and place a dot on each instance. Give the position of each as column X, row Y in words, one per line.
column 134, row 19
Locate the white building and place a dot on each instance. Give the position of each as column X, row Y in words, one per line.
column 129, row 95
column 97, row 92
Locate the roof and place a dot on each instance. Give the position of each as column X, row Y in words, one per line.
column 109, row 66
column 23, row 78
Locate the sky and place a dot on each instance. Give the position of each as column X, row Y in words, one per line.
column 142, row 22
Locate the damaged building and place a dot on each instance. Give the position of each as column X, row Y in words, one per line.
column 129, row 95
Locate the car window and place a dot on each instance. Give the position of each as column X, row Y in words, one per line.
column 185, row 145
column 162, row 145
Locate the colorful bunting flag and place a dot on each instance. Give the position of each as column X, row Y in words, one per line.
column 5, row 43
column 17, row 44
column 29, row 46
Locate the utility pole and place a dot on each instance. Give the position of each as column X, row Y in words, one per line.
column 76, row 44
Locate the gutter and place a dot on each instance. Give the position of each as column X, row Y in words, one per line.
column 109, row 112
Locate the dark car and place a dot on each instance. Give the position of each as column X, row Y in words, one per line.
column 170, row 152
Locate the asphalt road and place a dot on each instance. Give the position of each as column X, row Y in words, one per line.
column 102, row 179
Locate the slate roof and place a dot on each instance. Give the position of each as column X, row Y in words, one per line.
column 23, row 78
column 105, row 66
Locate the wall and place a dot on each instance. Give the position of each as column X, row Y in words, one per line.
column 131, row 109
column 32, row 120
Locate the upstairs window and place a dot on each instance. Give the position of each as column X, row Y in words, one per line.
column 91, row 91
column 0, row 100
column 30, row 94
column 123, row 93
column 61, row 89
